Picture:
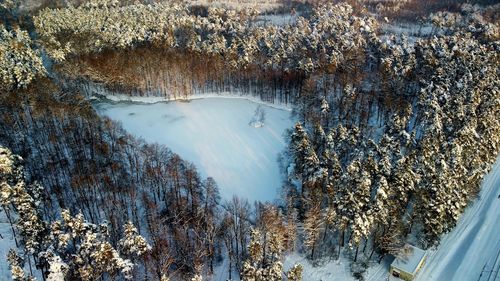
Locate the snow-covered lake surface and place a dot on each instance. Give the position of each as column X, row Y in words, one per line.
column 214, row 134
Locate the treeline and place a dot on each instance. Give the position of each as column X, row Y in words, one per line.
column 177, row 51
column 147, row 71
column 330, row 36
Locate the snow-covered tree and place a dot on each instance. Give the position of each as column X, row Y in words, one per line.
column 20, row 64
column 306, row 162
column 16, row 267
column 295, row 273
column 259, row 268
column 312, row 228
column 57, row 269
column 72, row 246
column 133, row 244
column 15, row 199
column 197, row 277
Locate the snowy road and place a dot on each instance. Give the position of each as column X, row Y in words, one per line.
column 471, row 251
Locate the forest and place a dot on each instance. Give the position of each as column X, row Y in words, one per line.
column 395, row 134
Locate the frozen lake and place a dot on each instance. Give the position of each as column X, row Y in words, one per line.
column 215, row 134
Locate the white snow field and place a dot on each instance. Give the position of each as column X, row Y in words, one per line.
column 335, row 270
column 215, row 134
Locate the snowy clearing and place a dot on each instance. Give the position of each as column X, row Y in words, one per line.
column 336, row 270
column 215, row 134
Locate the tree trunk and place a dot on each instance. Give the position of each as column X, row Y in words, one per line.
column 230, row 265
column 364, row 247
column 340, row 246
column 11, row 225
column 312, row 250
column 371, row 253
column 381, row 258
column 356, row 255
column 29, row 264
column 324, row 233
column 212, row 265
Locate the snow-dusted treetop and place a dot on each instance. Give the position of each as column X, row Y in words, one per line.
column 19, row 63
column 331, row 36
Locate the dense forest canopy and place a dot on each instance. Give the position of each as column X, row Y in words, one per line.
column 395, row 134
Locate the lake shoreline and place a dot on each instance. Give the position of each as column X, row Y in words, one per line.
column 118, row 98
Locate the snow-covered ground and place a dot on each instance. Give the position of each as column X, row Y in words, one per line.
column 6, row 243
column 215, row 134
column 97, row 92
column 469, row 252
column 278, row 19
column 336, row 270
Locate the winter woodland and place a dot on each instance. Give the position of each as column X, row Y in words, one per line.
column 394, row 135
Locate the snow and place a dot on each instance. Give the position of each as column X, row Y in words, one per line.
column 221, row 272
column 6, row 243
column 56, row 270
column 413, row 32
column 214, row 134
column 417, row 30
column 261, row 5
column 335, row 270
column 332, row 270
column 470, row 251
column 409, row 258
column 116, row 97
column 278, row 19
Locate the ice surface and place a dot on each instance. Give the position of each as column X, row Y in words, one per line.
column 215, row 134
